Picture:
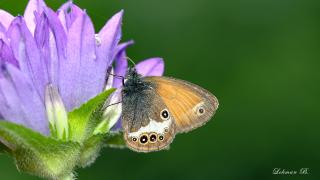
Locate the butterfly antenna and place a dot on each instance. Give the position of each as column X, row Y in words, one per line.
column 131, row 61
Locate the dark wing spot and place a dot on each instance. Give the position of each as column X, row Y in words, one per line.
column 161, row 138
column 201, row 111
column 143, row 139
column 164, row 114
column 153, row 138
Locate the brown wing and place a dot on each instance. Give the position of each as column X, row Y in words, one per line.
column 145, row 130
column 190, row 105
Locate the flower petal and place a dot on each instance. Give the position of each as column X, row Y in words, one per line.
column 27, row 53
column 113, row 113
column 19, row 101
column 6, row 54
column 3, row 32
column 121, row 63
column 4, row 24
column 86, row 70
column 117, row 126
column 32, row 7
column 151, row 67
column 59, row 34
column 80, row 83
column 109, row 83
column 68, row 13
column 51, row 40
column 109, row 37
column 5, row 18
column 42, row 31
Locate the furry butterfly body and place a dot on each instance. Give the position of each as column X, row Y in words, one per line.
column 155, row 109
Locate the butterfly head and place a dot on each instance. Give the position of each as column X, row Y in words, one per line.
column 133, row 74
column 134, row 82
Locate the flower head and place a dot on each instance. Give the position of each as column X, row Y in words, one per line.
column 54, row 76
column 59, row 52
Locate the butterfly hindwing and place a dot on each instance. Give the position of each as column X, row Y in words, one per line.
column 154, row 109
column 146, row 121
column 190, row 105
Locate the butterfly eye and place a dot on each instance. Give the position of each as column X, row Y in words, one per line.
column 201, row 111
column 153, row 138
column 143, row 139
column 161, row 138
column 164, row 114
column 134, row 139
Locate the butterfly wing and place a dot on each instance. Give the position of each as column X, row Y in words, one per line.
column 190, row 105
column 146, row 121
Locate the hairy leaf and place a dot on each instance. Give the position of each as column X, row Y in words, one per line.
column 83, row 121
column 115, row 140
column 37, row 154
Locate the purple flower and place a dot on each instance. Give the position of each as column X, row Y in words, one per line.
column 59, row 49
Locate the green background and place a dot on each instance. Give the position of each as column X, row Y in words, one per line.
column 259, row 57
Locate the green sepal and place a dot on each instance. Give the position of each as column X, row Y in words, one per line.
column 37, row 154
column 83, row 120
column 102, row 128
column 92, row 146
column 91, row 150
column 115, row 140
column 3, row 149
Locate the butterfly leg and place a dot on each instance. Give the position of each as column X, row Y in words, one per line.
column 117, row 76
column 112, row 104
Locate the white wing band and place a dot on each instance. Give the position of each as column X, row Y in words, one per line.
column 153, row 126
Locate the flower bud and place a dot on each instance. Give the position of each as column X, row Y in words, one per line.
column 56, row 113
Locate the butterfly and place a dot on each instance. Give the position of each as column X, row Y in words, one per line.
column 155, row 109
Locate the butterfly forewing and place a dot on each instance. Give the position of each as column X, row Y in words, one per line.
column 147, row 122
column 190, row 105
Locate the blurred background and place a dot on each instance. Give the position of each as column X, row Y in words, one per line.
column 261, row 58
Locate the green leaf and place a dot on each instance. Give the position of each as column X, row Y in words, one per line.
column 115, row 140
column 37, row 154
column 83, row 121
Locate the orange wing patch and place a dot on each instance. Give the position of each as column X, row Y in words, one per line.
column 190, row 105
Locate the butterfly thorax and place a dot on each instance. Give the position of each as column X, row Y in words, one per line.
column 135, row 84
